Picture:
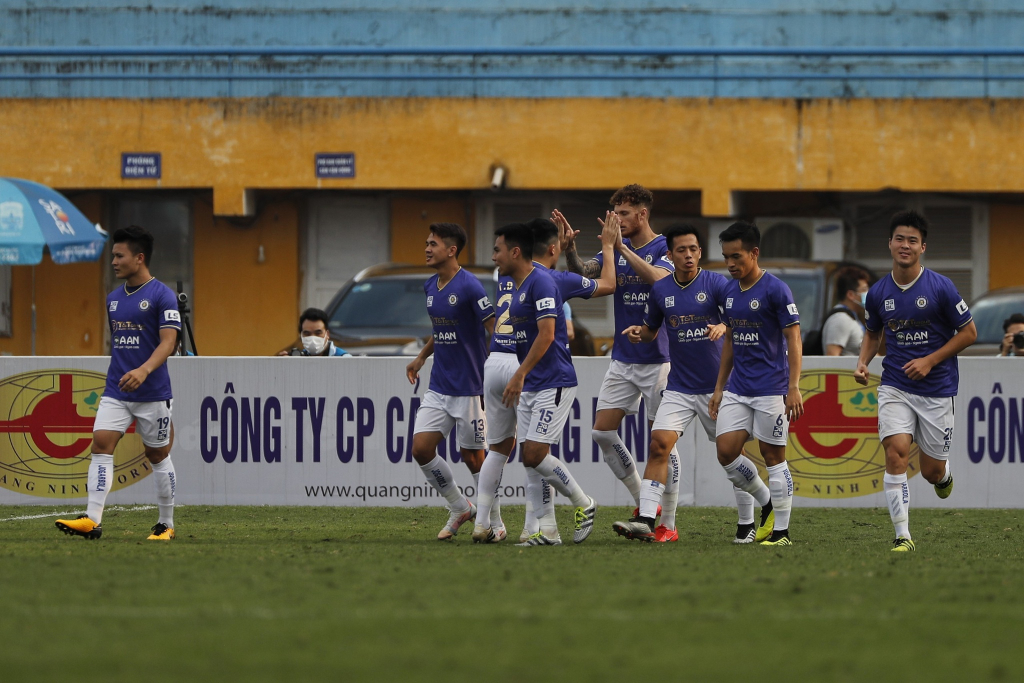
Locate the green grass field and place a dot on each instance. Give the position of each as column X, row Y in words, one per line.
column 295, row 594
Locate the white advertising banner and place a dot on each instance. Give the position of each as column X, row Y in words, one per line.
column 301, row 431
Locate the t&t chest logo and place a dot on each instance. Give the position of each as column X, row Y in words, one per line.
column 833, row 450
column 46, row 420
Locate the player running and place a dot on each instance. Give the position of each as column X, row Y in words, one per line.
column 461, row 316
column 503, row 363
column 144, row 328
column 926, row 325
column 544, row 386
column 636, row 369
column 761, row 360
column 687, row 304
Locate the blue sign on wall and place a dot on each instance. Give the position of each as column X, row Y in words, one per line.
column 140, row 165
column 336, row 165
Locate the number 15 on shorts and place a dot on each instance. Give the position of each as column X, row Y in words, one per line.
column 544, row 420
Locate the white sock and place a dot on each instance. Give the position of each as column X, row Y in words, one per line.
column 743, row 474
column 744, row 505
column 534, row 504
column 897, row 495
column 488, row 483
column 780, row 482
column 670, row 501
column 620, row 460
column 557, row 474
column 98, row 484
column 163, row 473
column 440, row 476
column 650, row 498
column 946, row 477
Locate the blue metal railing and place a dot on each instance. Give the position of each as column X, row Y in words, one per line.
column 90, row 63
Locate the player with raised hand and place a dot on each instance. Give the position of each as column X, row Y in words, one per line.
column 461, row 316
column 761, row 360
column 502, row 364
column 687, row 305
column 637, row 370
column 926, row 324
column 544, row 385
column 144, row 328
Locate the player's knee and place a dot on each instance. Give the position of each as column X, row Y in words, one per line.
column 155, row 455
column 605, row 438
column 608, row 420
column 533, row 453
column 933, row 471
column 660, row 449
column 772, row 454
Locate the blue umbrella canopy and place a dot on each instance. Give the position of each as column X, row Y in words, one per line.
column 33, row 216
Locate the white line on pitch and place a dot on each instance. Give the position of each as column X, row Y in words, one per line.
column 114, row 508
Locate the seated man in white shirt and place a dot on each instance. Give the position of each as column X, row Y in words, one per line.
column 844, row 325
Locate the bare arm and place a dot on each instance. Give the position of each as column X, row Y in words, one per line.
column 545, row 337
column 868, row 349
column 567, row 240
column 724, row 370
column 133, row 379
column 412, row 370
column 794, row 401
column 919, row 368
column 610, row 236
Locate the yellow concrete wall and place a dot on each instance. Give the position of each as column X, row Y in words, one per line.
column 243, row 307
column 1006, row 244
column 70, row 317
column 715, row 146
column 411, row 218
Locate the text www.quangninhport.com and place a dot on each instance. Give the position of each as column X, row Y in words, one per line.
column 402, row 493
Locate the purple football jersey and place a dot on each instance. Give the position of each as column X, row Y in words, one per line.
column 631, row 293
column 535, row 299
column 918, row 321
column 686, row 311
column 457, row 313
column 136, row 317
column 756, row 318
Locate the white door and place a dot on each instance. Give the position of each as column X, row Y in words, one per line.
column 344, row 235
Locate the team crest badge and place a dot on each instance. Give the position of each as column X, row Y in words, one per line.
column 702, row 297
column 754, row 304
column 144, row 305
column 921, row 302
column 453, row 299
column 649, row 258
column 522, row 297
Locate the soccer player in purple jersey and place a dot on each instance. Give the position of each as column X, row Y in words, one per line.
column 502, row 363
column 144, row 328
column 687, row 305
column 761, row 360
column 637, row 370
column 461, row 316
column 544, row 386
column 926, row 324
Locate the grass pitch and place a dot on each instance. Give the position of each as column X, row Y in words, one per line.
column 297, row 594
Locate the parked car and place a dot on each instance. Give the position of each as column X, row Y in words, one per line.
column 813, row 284
column 989, row 311
column 382, row 312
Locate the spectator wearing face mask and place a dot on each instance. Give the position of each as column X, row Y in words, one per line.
column 844, row 325
column 316, row 340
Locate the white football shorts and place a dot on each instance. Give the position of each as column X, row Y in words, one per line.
column 152, row 419
column 678, row 410
column 439, row 413
column 763, row 417
column 928, row 419
column 541, row 415
column 625, row 383
column 501, row 420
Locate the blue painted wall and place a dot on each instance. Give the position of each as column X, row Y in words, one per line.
column 493, row 23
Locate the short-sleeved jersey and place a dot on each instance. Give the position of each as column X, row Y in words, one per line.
column 535, row 299
column 631, row 292
column 136, row 317
column 570, row 285
column 457, row 313
column 756, row 318
column 918, row 321
column 686, row 311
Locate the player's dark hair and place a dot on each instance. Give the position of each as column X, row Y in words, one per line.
column 679, row 230
column 545, row 232
column 848, row 280
column 637, row 195
column 517, row 235
column 911, row 219
column 1015, row 319
column 314, row 314
column 452, row 234
column 139, row 241
column 747, row 233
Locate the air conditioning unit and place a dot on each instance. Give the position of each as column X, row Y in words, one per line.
column 807, row 239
